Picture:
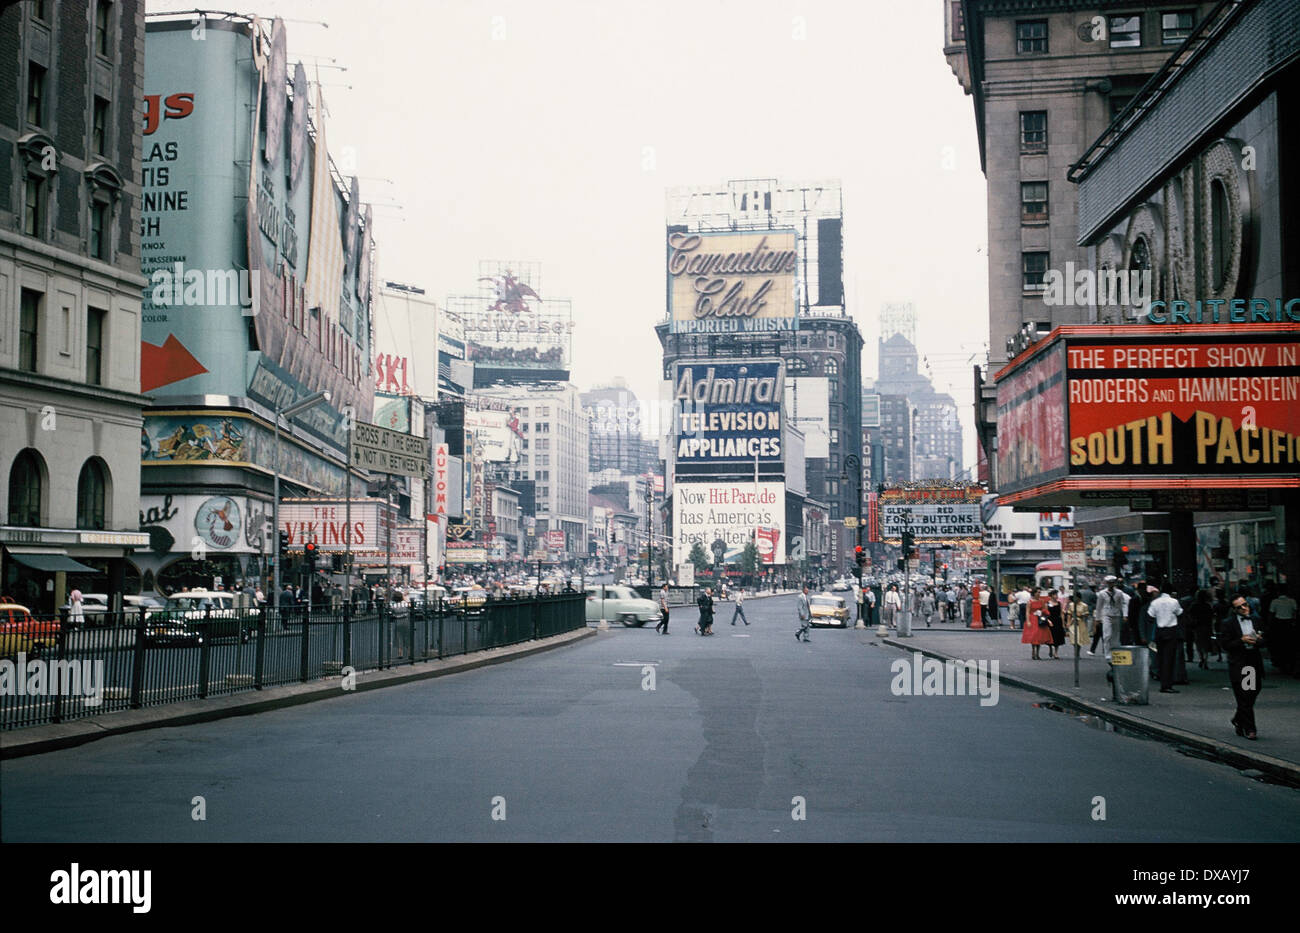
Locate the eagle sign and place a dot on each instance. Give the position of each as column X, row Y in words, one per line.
column 511, row 294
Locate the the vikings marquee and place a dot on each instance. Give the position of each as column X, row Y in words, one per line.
column 1196, row 406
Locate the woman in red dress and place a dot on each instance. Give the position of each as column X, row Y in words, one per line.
column 1034, row 633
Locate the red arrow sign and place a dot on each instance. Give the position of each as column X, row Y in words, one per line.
column 160, row 366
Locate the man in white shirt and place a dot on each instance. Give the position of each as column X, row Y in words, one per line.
column 740, row 608
column 1022, row 598
column 893, row 603
column 1112, row 609
column 1165, row 609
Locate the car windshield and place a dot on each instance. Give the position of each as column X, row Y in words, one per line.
column 834, row 602
column 190, row 602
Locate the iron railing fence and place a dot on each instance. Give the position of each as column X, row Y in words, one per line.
column 57, row 672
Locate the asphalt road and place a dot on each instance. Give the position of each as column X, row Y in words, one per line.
column 746, row 736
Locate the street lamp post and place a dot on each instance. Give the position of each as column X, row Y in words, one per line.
column 289, row 413
column 854, row 463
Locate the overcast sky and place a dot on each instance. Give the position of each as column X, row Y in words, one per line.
column 549, row 131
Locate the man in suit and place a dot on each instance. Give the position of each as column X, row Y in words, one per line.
column 1240, row 637
column 805, row 616
column 705, row 604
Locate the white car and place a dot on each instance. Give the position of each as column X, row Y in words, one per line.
column 620, row 603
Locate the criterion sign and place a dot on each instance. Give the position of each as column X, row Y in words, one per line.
column 381, row 450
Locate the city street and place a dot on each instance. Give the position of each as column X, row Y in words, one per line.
column 740, row 735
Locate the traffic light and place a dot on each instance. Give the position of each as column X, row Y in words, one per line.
column 309, row 554
column 283, row 553
column 336, row 563
column 1120, row 558
column 945, row 573
column 860, row 555
column 909, row 543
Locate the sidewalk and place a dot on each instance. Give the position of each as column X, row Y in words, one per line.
column 1197, row 716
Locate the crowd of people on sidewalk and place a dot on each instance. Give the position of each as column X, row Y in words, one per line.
column 1175, row 627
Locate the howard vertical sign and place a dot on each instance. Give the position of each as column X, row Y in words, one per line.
column 383, row 451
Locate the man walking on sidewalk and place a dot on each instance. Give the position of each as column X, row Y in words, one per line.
column 893, row 603
column 740, row 608
column 1165, row 609
column 1112, row 609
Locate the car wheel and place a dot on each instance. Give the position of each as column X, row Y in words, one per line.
column 630, row 620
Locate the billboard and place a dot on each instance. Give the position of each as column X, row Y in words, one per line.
column 209, row 278
column 217, row 524
column 1008, row 530
column 494, row 435
column 1031, row 423
column 807, row 406
column 510, row 325
column 722, row 282
column 730, row 513
column 1227, row 406
column 728, row 413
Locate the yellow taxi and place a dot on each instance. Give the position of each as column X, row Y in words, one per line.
column 20, row 632
column 828, row 609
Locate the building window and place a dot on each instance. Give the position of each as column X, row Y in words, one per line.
column 835, row 437
column 1175, row 27
column 1220, row 262
column 91, row 487
column 35, row 94
column 1126, row 31
column 95, row 345
column 831, row 367
column 1031, row 36
column 99, row 121
column 830, row 341
column 41, row 11
column 103, row 27
column 1033, row 267
column 29, row 330
column 25, row 490
column 958, row 21
column 1033, row 201
column 1033, row 131
column 99, row 230
column 34, row 206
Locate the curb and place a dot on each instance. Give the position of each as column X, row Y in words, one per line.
column 38, row 740
column 1228, row 754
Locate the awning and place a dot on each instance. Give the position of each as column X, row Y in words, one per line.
column 51, row 563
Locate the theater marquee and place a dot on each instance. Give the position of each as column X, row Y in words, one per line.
column 1211, row 406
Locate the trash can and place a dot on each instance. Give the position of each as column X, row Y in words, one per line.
column 1131, row 676
column 904, row 623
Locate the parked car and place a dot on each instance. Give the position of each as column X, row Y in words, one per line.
column 159, row 631
column 210, row 611
column 13, row 638
column 828, row 609
column 17, row 620
column 620, row 603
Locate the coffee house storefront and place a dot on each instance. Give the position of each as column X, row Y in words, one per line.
column 39, row 567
